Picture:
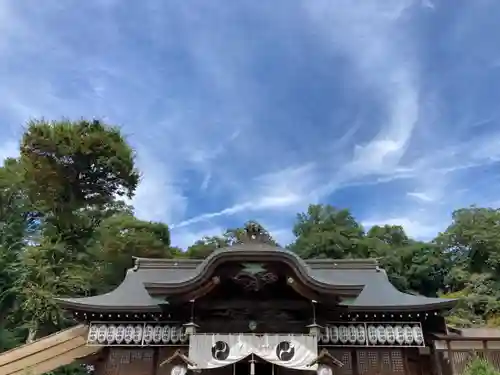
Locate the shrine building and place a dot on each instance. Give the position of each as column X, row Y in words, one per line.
column 249, row 309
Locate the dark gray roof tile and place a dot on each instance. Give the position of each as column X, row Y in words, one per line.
column 377, row 291
column 131, row 292
column 380, row 294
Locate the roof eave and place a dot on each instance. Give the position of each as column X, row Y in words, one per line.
column 156, row 288
column 69, row 304
column 438, row 305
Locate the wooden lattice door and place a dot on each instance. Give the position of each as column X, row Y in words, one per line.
column 383, row 362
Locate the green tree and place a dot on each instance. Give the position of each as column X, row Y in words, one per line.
column 71, row 174
column 326, row 232
column 412, row 266
column 74, row 166
column 16, row 227
column 121, row 237
column 473, row 243
column 382, row 241
column 417, row 267
column 39, row 279
column 473, row 238
column 393, row 236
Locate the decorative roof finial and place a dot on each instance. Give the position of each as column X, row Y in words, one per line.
column 254, row 232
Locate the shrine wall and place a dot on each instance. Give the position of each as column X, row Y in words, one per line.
column 363, row 348
column 128, row 361
column 357, row 361
column 370, row 361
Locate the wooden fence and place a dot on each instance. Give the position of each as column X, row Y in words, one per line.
column 453, row 353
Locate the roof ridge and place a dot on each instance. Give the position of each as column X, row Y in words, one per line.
column 141, row 262
column 342, row 263
column 158, row 263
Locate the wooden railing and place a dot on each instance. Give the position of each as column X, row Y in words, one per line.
column 453, row 353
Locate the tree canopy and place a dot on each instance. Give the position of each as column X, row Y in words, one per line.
column 65, row 230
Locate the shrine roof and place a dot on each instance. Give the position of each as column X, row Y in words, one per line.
column 371, row 288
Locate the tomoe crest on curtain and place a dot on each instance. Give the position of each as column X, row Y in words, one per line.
column 285, row 351
column 220, row 351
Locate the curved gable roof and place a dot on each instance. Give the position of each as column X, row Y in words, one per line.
column 362, row 277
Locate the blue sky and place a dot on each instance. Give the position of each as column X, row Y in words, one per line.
column 245, row 110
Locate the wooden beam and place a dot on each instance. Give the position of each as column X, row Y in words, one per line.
column 180, row 356
column 258, row 305
column 204, row 290
column 325, row 357
column 302, row 290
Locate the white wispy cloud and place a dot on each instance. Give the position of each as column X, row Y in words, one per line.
column 365, row 34
column 191, row 140
column 193, row 89
column 285, row 189
column 442, row 186
column 428, row 4
column 183, row 140
column 421, row 195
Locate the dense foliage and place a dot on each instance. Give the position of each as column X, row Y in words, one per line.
column 65, row 231
column 480, row 366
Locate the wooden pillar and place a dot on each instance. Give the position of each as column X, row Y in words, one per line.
column 450, row 357
column 156, row 358
column 414, row 363
column 100, row 363
column 437, row 361
column 406, row 363
column 486, row 350
column 354, row 362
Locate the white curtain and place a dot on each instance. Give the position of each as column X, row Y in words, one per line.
column 217, row 350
